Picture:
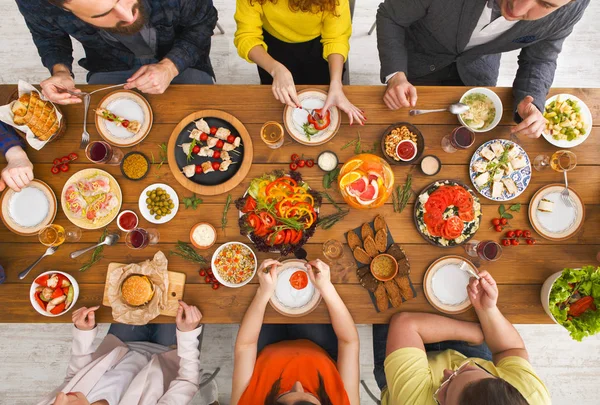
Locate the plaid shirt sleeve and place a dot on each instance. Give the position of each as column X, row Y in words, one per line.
column 8, row 138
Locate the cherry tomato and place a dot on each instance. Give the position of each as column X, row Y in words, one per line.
column 73, row 156
column 531, row 241
column 293, row 166
column 518, row 233
column 510, row 234
column 295, row 157
column 216, row 154
column 202, row 273
column 64, row 167
column 495, row 221
column 527, row 234
column 215, row 286
column 301, row 163
column 216, row 165
column 213, row 130
column 203, row 137
column 196, row 149
column 207, row 279
column 231, row 138
column 198, row 169
column 65, row 159
column 220, row 144
column 56, row 162
column 55, row 170
column 125, row 123
column 310, row 163
column 503, row 221
column 210, row 272
column 498, row 228
column 505, row 242
column 515, row 242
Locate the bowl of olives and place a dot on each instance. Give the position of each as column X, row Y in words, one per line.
column 158, row 203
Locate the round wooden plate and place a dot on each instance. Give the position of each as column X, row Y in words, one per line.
column 310, row 96
column 218, row 182
column 130, row 105
column 13, row 226
column 295, row 312
column 428, row 285
column 564, row 222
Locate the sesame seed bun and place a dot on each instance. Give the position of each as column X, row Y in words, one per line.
column 137, row 290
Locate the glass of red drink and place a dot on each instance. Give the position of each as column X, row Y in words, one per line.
column 459, row 138
column 103, row 153
column 139, row 238
column 487, row 250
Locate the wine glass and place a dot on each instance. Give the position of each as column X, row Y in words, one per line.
column 459, row 138
column 333, row 250
column 541, row 162
column 140, row 238
column 56, row 235
column 487, row 250
column 101, row 152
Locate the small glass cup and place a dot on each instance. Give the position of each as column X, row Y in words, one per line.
column 101, row 152
column 272, row 134
column 486, row 250
column 140, row 238
column 541, row 162
column 333, row 250
column 459, row 138
column 563, row 161
column 56, row 235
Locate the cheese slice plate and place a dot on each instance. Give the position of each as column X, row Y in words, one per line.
column 551, row 218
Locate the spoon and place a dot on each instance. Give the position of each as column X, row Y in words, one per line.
column 456, row 109
column 110, row 240
column 465, row 267
column 50, row 251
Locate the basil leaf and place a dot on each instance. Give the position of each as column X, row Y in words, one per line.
column 515, row 207
column 501, row 209
column 507, row 215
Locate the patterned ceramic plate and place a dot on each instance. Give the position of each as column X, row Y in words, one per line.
column 131, row 106
column 295, row 118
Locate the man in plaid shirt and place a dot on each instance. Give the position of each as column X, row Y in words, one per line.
column 147, row 44
column 18, row 173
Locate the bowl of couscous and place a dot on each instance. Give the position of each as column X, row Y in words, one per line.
column 234, row 264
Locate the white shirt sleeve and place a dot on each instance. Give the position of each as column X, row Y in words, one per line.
column 388, row 77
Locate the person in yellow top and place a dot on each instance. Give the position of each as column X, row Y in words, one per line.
column 431, row 359
column 298, row 42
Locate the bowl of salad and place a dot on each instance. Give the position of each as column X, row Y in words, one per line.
column 568, row 121
column 571, row 298
column 53, row 293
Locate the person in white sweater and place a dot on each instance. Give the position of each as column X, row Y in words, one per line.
column 135, row 364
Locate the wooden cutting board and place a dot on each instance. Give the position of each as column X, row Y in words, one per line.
column 175, row 293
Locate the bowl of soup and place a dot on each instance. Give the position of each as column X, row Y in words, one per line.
column 485, row 110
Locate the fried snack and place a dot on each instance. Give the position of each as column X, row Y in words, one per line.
column 381, row 240
column 360, row 255
column 39, row 115
column 403, row 268
column 366, row 231
column 396, row 252
column 353, row 240
column 379, row 223
column 404, row 285
column 370, row 246
column 381, row 298
column 137, row 290
column 361, row 271
column 395, row 137
column 366, row 279
column 393, row 292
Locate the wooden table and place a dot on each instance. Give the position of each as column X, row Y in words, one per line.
column 519, row 273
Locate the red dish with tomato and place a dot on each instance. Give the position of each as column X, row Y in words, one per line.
column 447, row 213
column 54, row 293
column 279, row 212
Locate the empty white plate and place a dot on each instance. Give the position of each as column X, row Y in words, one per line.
column 563, row 222
column 445, row 284
column 29, row 210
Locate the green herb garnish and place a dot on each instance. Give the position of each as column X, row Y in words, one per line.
column 225, row 210
column 328, row 221
column 330, row 177
column 504, row 214
column 185, row 251
column 401, row 195
column 192, row 202
column 97, row 254
column 188, row 155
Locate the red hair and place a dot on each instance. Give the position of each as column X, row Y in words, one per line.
column 307, row 6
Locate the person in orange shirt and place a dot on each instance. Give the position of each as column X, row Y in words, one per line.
column 296, row 364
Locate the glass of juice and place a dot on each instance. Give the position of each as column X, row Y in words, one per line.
column 56, row 235
column 366, row 181
column 459, row 138
column 487, row 250
column 103, row 153
column 563, row 161
column 139, row 238
column 272, row 134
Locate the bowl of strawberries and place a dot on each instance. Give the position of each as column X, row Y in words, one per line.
column 53, row 293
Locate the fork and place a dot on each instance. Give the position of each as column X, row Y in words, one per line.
column 82, row 94
column 565, row 193
column 85, row 136
column 50, row 251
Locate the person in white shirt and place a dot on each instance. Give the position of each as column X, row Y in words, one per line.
column 135, row 365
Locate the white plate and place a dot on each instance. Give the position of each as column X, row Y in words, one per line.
column 497, row 104
column 521, row 177
column 129, row 105
column 285, row 299
column 294, row 118
column 31, row 209
column 563, row 222
column 146, row 212
column 445, row 284
column 128, row 109
column 586, row 115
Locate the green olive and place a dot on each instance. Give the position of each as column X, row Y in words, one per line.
column 159, row 211
column 148, row 200
column 148, row 193
column 157, row 217
column 171, row 205
column 151, row 212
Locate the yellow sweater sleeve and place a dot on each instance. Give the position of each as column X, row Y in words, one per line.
column 249, row 27
column 336, row 31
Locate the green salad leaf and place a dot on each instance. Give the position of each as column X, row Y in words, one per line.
column 586, row 282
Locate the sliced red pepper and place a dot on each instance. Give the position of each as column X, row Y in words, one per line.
column 40, row 302
column 267, row 219
column 57, row 293
column 42, row 280
column 58, row 309
column 249, row 205
column 322, row 121
column 580, row 306
column 65, row 290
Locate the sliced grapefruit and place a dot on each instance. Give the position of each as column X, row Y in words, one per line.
column 358, row 187
column 370, row 192
column 349, row 178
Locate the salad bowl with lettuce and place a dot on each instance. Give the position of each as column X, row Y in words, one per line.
column 572, row 298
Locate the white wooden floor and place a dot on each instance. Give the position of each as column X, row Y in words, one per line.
column 33, row 357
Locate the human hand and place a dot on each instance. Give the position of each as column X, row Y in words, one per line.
column 18, row 173
column 267, row 277
column 336, row 97
column 283, row 86
column 85, row 318
column 400, row 93
column 188, row 317
column 54, row 87
column 533, row 123
column 153, row 78
column 483, row 293
column 75, row 398
column 319, row 273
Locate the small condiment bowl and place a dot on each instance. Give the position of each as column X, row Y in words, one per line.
column 395, row 267
column 413, row 155
column 192, row 235
column 336, row 158
column 137, row 220
column 438, row 169
column 135, row 153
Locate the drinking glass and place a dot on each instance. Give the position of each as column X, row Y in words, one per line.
column 459, row 138
column 56, row 235
column 139, row 238
column 272, row 134
column 563, row 161
column 103, row 153
column 333, row 250
column 487, row 250
column 541, row 162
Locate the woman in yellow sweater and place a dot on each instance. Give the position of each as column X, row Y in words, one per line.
column 297, row 42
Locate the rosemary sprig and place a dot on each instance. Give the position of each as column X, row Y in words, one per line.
column 162, row 154
column 328, row 221
column 97, row 254
column 225, row 210
column 401, row 195
column 186, row 252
